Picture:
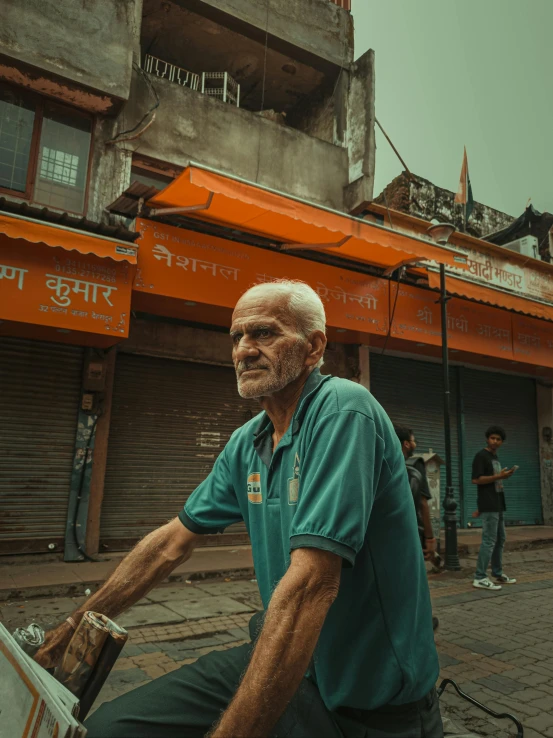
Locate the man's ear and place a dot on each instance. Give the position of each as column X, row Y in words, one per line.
column 315, row 348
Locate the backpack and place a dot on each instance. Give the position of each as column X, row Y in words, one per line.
column 416, row 481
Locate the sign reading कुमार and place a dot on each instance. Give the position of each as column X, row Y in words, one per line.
column 186, row 265
column 532, row 341
column 471, row 327
column 48, row 286
column 493, row 270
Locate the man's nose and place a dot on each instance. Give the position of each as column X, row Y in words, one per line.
column 245, row 348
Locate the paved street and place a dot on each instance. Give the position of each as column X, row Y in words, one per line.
column 497, row 646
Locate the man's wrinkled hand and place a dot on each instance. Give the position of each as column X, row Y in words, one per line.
column 56, row 641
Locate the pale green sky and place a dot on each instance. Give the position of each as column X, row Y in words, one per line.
column 451, row 73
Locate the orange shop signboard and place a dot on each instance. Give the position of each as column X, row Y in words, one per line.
column 182, row 264
column 533, row 341
column 471, row 327
column 49, row 286
column 506, row 271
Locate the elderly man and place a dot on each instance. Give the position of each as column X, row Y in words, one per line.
column 345, row 647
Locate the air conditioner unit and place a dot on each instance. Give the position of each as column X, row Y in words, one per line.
column 527, row 246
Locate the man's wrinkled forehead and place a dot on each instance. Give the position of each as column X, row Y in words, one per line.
column 263, row 306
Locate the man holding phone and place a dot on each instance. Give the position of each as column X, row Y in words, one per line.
column 489, row 475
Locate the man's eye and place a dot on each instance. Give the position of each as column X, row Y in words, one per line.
column 236, row 337
column 263, row 333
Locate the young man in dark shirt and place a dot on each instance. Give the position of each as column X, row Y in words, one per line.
column 488, row 474
column 420, row 490
column 419, row 486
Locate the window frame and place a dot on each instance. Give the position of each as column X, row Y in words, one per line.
column 40, row 102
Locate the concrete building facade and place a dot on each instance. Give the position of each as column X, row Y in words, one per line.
column 170, row 155
column 126, row 101
column 305, row 120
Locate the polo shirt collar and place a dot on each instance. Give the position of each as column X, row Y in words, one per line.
column 264, row 427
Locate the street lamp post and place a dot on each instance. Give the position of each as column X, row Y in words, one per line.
column 440, row 233
column 450, row 504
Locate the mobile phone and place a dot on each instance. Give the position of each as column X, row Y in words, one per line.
column 515, row 468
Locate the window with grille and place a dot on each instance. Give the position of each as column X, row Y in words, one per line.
column 59, row 166
column 44, row 151
column 17, row 118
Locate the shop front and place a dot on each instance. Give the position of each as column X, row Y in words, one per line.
column 496, row 358
column 411, row 392
column 61, row 291
column 164, row 446
column 173, row 412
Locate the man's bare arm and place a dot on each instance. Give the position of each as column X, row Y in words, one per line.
column 148, row 564
column 503, row 474
column 292, row 626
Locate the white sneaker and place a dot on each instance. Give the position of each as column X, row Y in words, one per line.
column 485, row 584
column 504, row 579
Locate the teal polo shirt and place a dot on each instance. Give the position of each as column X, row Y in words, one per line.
column 337, row 481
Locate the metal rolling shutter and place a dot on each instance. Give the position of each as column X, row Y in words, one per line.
column 411, row 392
column 509, row 401
column 40, row 385
column 170, row 420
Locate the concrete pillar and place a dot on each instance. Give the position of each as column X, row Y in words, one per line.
column 364, row 367
column 361, row 135
column 545, row 430
column 96, row 496
column 111, row 168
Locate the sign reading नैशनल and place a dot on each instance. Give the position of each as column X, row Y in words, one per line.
column 194, row 266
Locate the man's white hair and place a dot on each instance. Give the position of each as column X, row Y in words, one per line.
column 304, row 304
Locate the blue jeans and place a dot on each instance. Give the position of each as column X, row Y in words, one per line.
column 493, row 540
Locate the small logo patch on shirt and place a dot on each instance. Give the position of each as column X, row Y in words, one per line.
column 294, row 483
column 254, row 488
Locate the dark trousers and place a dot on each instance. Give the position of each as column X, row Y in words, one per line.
column 187, row 702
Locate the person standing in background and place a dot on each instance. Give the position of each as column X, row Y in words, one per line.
column 488, row 474
column 418, row 482
column 416, row 472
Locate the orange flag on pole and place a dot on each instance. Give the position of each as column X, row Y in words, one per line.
column 464, row 192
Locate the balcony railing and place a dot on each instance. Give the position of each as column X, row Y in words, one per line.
column 345, row 4
column 161, row 68
column 215, row 84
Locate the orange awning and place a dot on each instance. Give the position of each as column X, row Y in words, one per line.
column 480, row 293
column 208, row 195
column 35, row 231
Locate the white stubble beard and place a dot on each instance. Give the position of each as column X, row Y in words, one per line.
column 277, row 376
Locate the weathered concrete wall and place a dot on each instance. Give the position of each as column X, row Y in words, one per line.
column 341, row 360
column 323, row 113
column 431, row 201
column 173, row 341
column 361, row 135
column 545, row 420
column 316, row 26
column 190, row 126
column 110, row 172
column 88, row 43
column 421, row 198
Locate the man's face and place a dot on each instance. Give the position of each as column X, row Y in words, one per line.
column 267, row 351
column 410, row 447
column 494, row 442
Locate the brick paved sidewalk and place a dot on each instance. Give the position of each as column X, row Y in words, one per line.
column 497, row 646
